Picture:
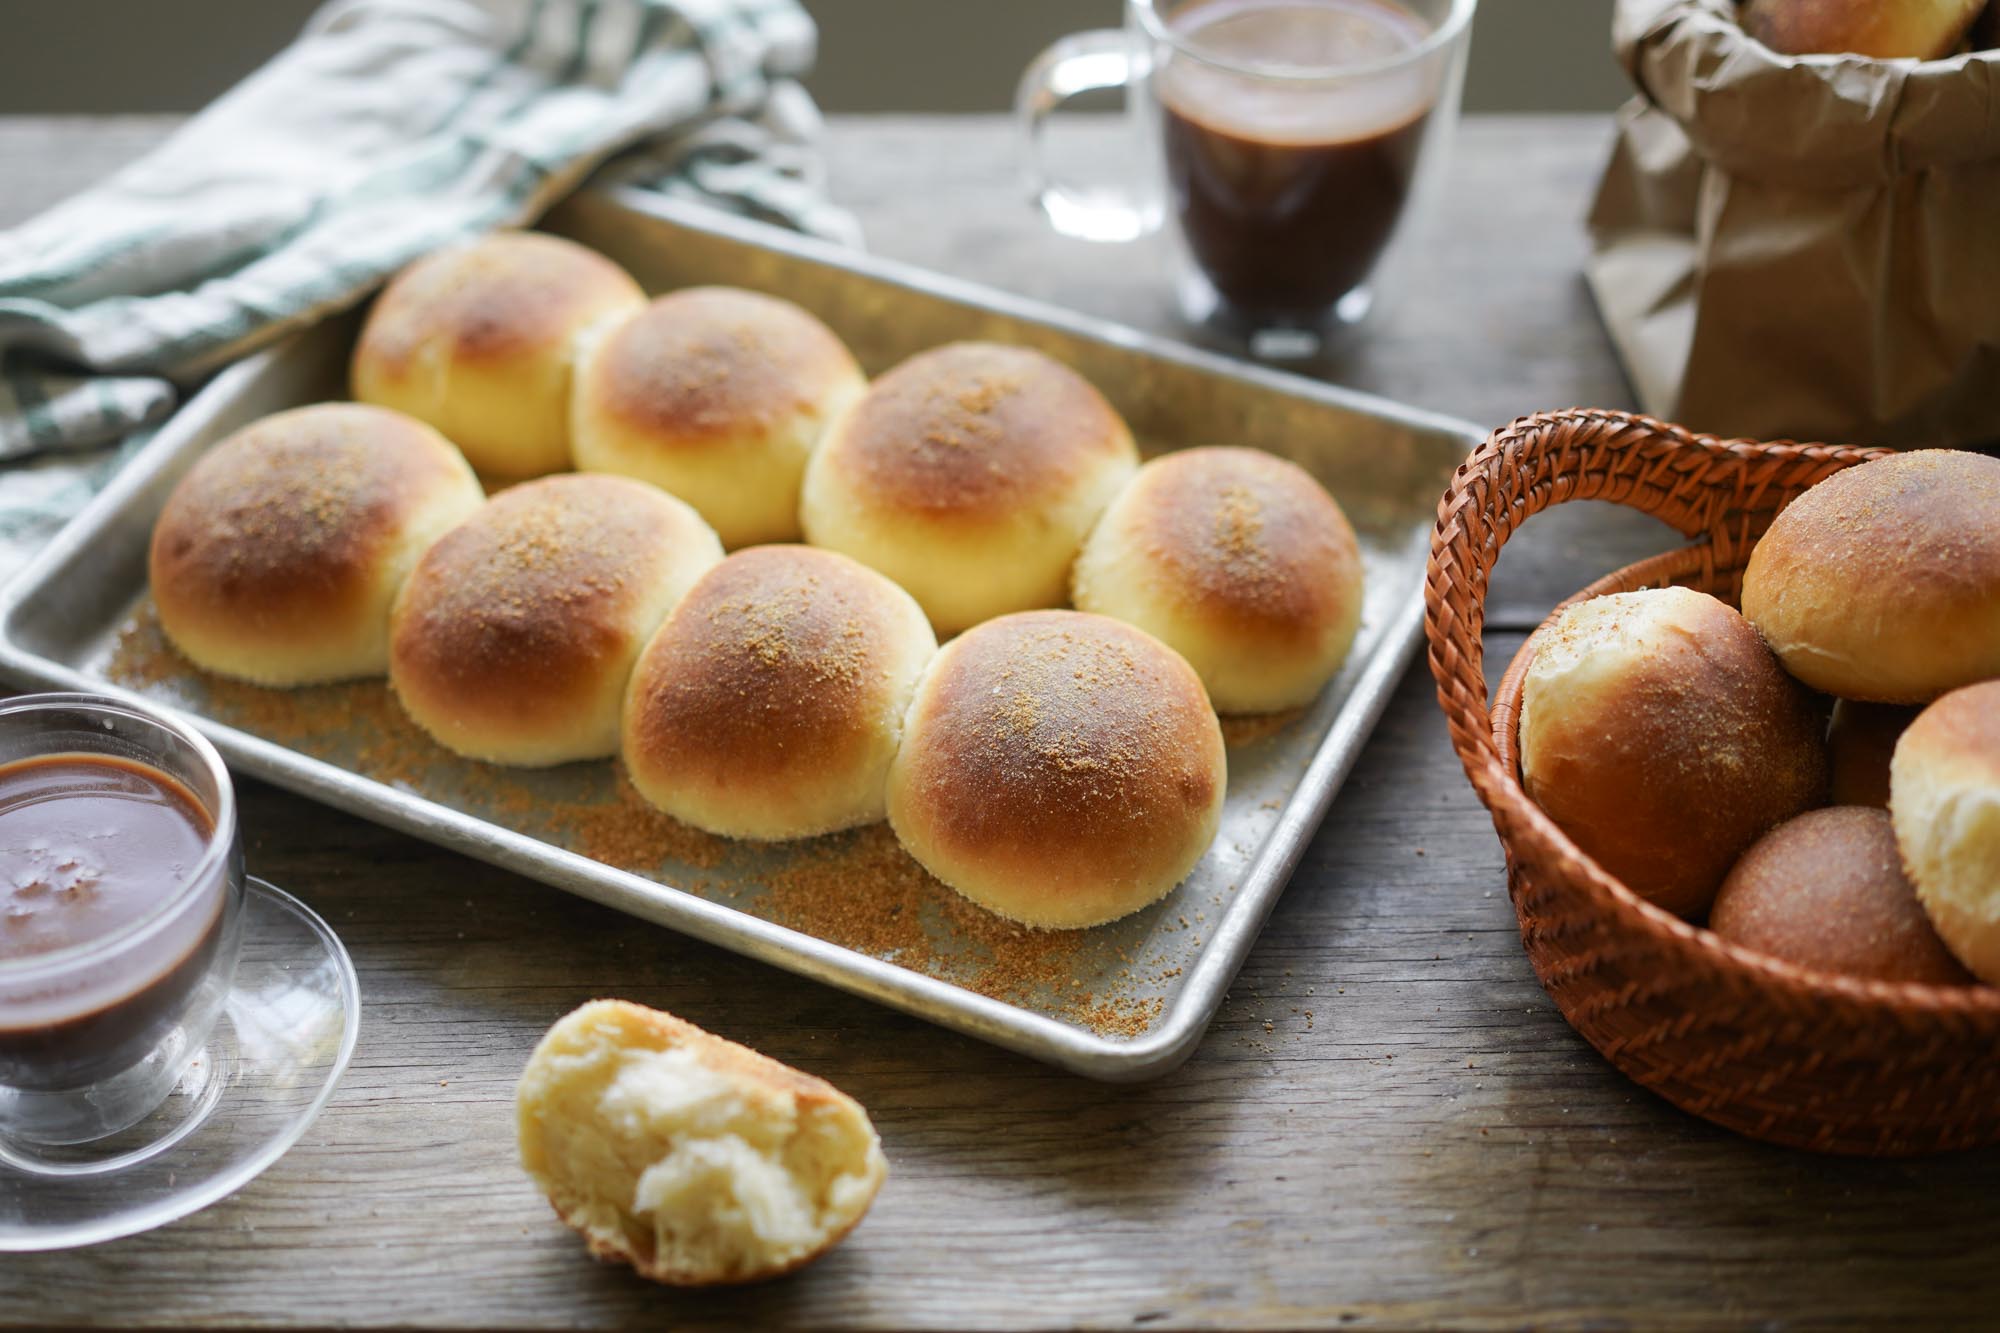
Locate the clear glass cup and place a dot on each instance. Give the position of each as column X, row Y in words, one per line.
column 1288, row 141
column 94, row 1036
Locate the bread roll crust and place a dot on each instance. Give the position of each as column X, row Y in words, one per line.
column 583, row 1156
column 1859, row 742
column 970, row 474
column 480, row 339
column 770, row 703
column 1944, row 796
column 1058, row 768
column 1826, row 890
column 1882, row 29
column 1882, row 583
column 1661, row 735
column 277, row 557
column 718, row 396
column 514, row 638
column 1238, row 560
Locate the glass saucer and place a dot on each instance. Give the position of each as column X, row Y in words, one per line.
column 284, row 1037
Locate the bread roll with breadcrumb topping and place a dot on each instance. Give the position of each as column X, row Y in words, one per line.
column 480, row 340
column 1238, row 560
column 1058, row 768
column 970, row 474
column 1826, row 890
column 771, row 701
column 276, row 559
column 718, row 396
column 515, row 637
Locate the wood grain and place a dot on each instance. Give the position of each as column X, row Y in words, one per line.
column 1389, row 1124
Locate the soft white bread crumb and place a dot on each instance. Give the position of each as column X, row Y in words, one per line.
column 693, row 1159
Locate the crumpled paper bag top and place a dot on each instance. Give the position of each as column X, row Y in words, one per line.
column 1802, row 246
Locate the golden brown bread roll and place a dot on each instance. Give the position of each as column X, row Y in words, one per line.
column 970, row 474
column 1944, row 795
column 1661, row 735
column 1826, row 890
column 718, row 396
column 1239, row 561
column 771, row 701
column 693, row 1159
column 480, row 339
column 1058, row 768
column 1883, row 29
column 1882, row 583
column 1859, row 741
column 514, row 638
column 277, row 557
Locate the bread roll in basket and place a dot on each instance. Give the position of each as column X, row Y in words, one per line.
column 1760, row 1046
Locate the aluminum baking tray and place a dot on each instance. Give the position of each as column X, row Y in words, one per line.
column 1123, row 1001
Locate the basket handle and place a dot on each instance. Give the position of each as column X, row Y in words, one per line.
column 1721, row 493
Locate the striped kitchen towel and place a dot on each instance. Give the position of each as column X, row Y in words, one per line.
column 389, row 128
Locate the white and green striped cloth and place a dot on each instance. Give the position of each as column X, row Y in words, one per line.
column 389, row 128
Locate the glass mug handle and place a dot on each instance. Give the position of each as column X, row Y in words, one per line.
column 1080, row 63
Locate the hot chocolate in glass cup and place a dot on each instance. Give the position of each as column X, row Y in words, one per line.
column 1287, row 141
column 121, row 888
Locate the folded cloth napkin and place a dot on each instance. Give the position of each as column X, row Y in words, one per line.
column 389, row 128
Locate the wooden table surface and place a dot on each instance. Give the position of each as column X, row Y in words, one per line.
column 1437, row 1147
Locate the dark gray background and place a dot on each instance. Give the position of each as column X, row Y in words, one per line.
column 875, row 55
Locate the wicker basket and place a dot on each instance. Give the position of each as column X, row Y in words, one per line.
column 1765, row 1048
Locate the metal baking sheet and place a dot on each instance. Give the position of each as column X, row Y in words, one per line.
column 1123, row 1001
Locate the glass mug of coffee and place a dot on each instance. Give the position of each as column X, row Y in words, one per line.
column 121, row 891
column 1285, row 138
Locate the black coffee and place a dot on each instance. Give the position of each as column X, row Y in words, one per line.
column 1288, row 190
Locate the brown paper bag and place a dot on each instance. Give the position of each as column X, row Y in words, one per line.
column 1802, row 247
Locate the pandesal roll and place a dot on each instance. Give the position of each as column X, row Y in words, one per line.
column 970, row 474
column 770, row 703
column 1860, row 740
column 277, row 557
column 1238, row 560
column 1882, row 583
column 1944, row 796
column 480, row 340
column 718, row 396
column 1058, row 768
column 1663, row 737
column 1882, row 29
column 1826, row 890
column 515, row 637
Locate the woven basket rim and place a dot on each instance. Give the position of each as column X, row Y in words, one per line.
column 1493, row 766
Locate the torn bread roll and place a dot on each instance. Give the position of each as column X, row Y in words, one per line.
column 693, row 1159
